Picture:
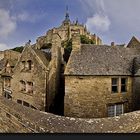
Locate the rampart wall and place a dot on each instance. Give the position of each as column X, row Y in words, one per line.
column 15, row 118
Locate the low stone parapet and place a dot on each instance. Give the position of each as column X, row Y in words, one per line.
column 18, row 119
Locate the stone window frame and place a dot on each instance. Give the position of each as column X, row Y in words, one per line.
column 19, row 102
column 22, row 85
column 29, row 85
column 30, row 64
column 27, row 65
column 25, row 89
column 24, row 103
column 23, row 65
column 124, row 85
column 119, row 85
column 7, row 82
column 7, row 95
column 115, row 110
column 115, row 85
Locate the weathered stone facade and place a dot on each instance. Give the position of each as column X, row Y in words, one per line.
column 89, row 78
column 35, row 80
column 89, row 96
column 7, row 65
column 37, row 75
column 9, row 54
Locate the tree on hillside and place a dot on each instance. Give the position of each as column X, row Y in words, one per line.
column 18, row 49
column 86, row 40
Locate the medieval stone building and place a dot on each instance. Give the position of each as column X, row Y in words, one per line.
column 102, row 80
column 8, row 61
column 36, row 76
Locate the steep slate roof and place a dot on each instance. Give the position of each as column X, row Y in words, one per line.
column 101, row 60
column 42, row 56
column 134, row 43
column 12, row 64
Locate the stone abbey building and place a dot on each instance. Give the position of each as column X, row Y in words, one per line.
column 98, row 80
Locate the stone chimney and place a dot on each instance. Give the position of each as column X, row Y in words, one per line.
column 56, row 45
column 112, row 44
column 76, row 42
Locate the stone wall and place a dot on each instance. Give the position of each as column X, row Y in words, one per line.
column 54, row 70
column 15, row 118
column 1, row 55
column 136, row 90
column 37, row 75
column 89, row 96
column 9, row 54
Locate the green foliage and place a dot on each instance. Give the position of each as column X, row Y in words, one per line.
column 67, row 49
column 67, row 45
column 18, row 49
column 86, row 40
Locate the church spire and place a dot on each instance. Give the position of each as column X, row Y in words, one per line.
column 67, row 17
column 67, row 14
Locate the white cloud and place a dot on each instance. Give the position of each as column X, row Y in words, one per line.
column 24, row 16
column 7, row 24
column 3, row 47
column 123, row 16
column 98, row 22
column 28, row 17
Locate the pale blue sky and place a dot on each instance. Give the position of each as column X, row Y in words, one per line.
column 112, row 20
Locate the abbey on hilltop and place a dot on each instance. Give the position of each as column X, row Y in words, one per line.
column 96, row 81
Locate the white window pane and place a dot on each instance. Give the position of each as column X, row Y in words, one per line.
column 119, row 109
column 111, row 111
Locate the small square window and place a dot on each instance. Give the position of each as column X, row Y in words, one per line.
column 26, row 104
column 19, row 101
column 115, row 110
